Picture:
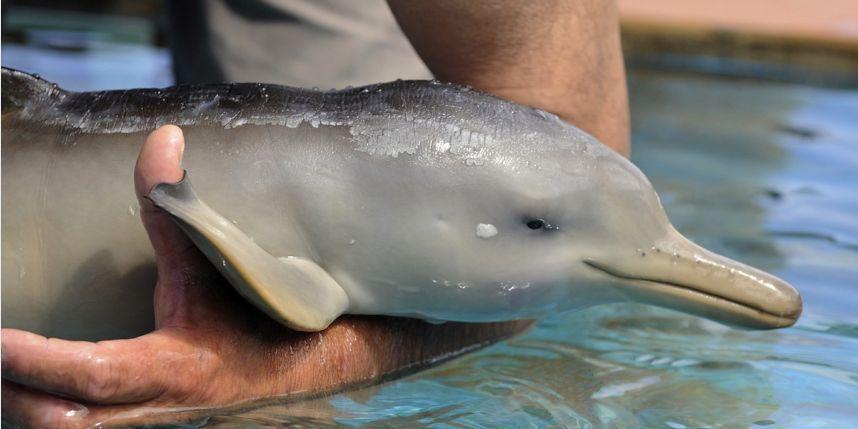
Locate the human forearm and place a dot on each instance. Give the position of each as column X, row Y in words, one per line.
column 562, row 56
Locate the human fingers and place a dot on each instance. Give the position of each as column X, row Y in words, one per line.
column 160, row 161
column 108, row 372
column 181, row 267
column 29, row 408
column 25, row 407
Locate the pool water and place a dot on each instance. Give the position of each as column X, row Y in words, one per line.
column 763, row 173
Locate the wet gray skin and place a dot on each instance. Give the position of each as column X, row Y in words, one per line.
column 414, row 199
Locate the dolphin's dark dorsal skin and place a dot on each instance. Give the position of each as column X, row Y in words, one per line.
column 234, row 104
column 408, row 198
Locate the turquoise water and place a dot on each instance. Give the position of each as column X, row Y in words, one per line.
column 764, row 173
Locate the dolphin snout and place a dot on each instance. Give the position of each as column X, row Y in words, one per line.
column 678, row 274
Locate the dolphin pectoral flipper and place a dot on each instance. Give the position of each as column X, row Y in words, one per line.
column 294, row 291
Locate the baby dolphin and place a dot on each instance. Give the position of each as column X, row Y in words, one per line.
column 408, row 198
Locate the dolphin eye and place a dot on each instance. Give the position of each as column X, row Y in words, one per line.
column 535, row 224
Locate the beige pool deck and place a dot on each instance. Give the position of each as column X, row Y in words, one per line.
column 813, row 39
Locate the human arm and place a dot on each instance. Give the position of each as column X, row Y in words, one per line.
column 562, row 56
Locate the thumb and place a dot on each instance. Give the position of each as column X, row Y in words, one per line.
column 160, row 162
column 184, row 293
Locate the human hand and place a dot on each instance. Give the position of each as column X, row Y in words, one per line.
column 210, row 348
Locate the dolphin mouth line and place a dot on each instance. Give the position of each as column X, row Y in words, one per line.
column 606, row 270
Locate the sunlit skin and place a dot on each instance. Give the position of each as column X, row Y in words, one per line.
column 212, row 349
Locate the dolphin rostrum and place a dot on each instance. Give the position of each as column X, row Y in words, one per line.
column 408, row 198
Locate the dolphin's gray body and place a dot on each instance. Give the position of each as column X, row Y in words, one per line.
column 408, row 198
